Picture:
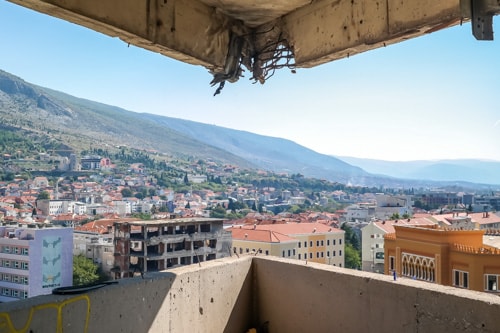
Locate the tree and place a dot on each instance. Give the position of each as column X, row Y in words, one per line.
column 352, row 257
column 218, row 212
column 84, row 271
column 351, row 237
column 126, row 192
column 43, row 195
column 394, row 216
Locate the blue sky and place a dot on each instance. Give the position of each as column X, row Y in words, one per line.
column 433, row 97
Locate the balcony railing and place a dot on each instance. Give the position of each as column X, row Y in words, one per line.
column 236, row 294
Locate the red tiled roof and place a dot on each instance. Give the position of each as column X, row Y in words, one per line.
column 388, row 226
column 256, row 235
column 298, row 228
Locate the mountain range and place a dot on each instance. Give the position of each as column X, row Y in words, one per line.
column 80, row 123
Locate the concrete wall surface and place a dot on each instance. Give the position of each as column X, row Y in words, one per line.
column 280, row 295
column 310, row 297
column 212, row 297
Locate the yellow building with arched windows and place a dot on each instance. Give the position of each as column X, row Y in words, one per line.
column 452, row 257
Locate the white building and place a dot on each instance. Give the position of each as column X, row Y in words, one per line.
column 34, row 261
column 388, row 205
column 122, row 208
column 99, row 248
column 197, row 179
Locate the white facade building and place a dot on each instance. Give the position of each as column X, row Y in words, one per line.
column 34, row 261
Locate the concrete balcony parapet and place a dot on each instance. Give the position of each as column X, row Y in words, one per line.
column 236, row 294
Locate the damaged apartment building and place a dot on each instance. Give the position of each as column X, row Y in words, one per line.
column 150, row 246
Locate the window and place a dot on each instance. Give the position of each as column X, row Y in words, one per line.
column 24, row 265
column 340, row 252
column 299, row 245
column 322, row 243
column 25, row 280
column 490, row 282
column 305, row 244
column 25, row 251
column 460, row 279
column 317, row 254
column 289, row 253
column 310, row 255
column 334, row 254
column 333, row 241
column 317, row 243
column 6, row 249
column 293, row 251
column 267, row 252
column 340, row 241
column 299, row 256
column 311, row 243
column 327, row 242
column 328, row 254
column 391, row 263
column 16, row 250
column 283, row 255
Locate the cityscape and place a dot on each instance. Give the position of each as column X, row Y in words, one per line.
column 128, row 225
column 360, row 197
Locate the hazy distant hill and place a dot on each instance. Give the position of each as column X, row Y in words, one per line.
column 269, row 153
column 80, row 124
column 475, row 171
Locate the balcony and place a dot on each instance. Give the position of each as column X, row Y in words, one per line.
column 235, row 294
